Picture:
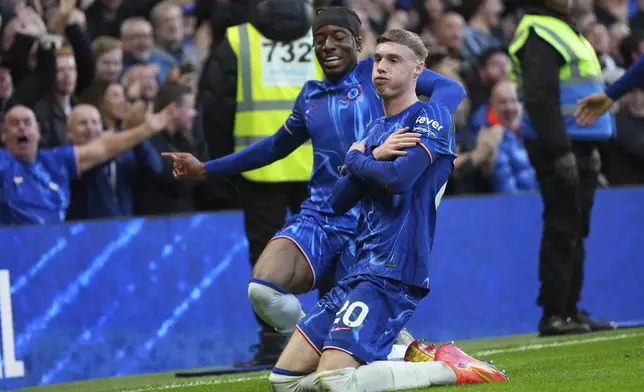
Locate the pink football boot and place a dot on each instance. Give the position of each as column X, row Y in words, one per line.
column 468, row 369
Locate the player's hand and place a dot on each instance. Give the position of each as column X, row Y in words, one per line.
column 396, row 144
column 359, row 146
column 591, row 107
column 186, row 165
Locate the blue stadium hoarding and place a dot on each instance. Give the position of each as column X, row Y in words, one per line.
column 100, row 299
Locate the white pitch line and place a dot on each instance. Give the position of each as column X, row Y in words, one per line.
column 540, row 346
column 176, row 385
column 529, row 347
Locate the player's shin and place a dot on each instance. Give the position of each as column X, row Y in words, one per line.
column 279, row 309
column 385, row 376
column 285, row 381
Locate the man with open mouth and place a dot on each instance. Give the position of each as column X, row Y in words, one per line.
column 35, row 183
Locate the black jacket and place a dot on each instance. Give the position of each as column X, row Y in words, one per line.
column 540, row 65
column 53, row 121
column 218, row 83
column 218, row 93
column 164, row 194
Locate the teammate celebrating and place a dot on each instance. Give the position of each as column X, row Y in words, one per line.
column 333, row 114
column 593, row 106
column 350, row 331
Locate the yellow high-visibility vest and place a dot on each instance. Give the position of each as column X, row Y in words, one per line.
column 579, row 77
column 270, row 76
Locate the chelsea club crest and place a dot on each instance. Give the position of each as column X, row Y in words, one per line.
column 353, row 93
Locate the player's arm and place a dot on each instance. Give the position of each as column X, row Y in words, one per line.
column 268, row 150
column 399, row 176
column 440, row 89
column 110, row 145
column 260, row 154
column 632, row 79
column 346, row 193
column 437, row 87
column 590, row 108
column 396, row 176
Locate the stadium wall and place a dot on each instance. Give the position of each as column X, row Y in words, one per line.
column 124, row 297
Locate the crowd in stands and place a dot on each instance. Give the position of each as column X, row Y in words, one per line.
column 468, row 41
column 57, row 54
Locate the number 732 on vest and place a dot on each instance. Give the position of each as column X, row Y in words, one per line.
column 270, row 76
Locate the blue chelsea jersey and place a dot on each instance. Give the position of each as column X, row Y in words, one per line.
column 396, row 228
column 334, row 116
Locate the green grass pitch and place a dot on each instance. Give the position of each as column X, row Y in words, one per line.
column 602, row 362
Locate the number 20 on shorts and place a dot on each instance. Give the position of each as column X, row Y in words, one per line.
column 347, row 311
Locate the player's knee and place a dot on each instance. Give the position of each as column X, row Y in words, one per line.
column 264, row 294
column 261, row 293
column 278, row 308
column 339, row 380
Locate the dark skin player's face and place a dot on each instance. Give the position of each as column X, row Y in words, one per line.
column 336, row 50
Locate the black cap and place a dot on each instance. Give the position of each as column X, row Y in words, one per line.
column 281, row 20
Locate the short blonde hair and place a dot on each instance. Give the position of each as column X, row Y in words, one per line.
column 105, row 44
column 405, row 38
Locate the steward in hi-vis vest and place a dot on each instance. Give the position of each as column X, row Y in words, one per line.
column 269, row 58
column 270, row 76
column 553, row 67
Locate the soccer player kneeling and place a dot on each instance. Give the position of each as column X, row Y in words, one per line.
column 342, row 343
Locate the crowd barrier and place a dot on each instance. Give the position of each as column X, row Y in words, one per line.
column 122, row 297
